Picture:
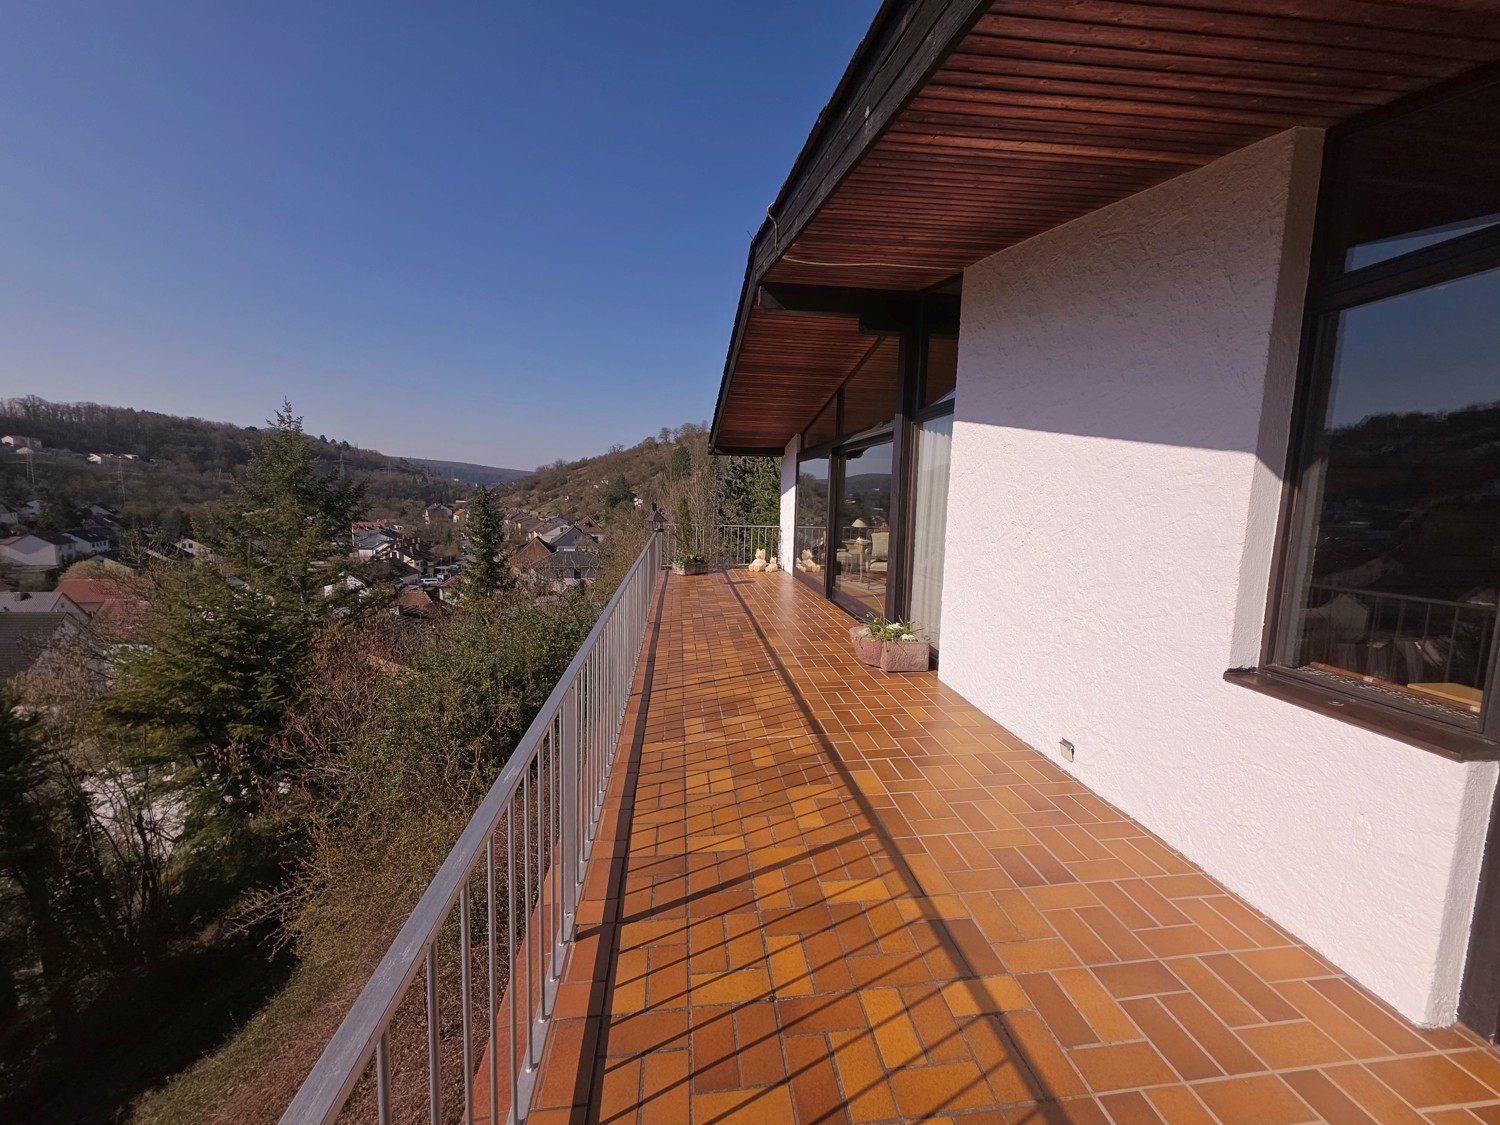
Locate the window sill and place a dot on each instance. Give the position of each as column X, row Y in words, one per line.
column 1432, row 735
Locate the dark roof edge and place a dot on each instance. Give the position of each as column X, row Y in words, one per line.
column 907, row 41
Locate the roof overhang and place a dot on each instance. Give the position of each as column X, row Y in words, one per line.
column 962, row 127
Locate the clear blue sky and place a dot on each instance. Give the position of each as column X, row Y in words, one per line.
column 499, row 232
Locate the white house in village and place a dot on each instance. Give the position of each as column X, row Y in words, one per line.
column 38, row 552
column 20, row 441
column 1173, row 421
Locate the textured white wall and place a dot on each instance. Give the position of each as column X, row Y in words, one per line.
column 1123, row 393
column 789, row 502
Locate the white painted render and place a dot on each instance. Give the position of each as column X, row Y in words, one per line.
column 1121, row 424
column 789, row 503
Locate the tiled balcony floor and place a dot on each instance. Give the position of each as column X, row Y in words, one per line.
column 824, row 894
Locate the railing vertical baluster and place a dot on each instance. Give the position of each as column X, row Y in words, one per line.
column 465, row 978
column 529, row 937
column 382, row 1082
column 494, row 1007
column 554, row 836
column 538, row 946
column 510, row 940
column 434, row 1088
column 568, row 862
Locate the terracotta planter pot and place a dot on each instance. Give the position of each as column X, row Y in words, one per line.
column 889, row 656
column 904, row 656
column 866, row 647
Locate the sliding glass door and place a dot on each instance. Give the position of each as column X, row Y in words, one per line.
column 862, row 532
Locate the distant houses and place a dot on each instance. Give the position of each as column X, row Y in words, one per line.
column 20, row 442
column 557, row 554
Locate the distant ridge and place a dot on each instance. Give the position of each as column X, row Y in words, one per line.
column 472, row 474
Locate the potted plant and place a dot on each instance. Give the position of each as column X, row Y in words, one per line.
column 891, row 646
column 686, row 559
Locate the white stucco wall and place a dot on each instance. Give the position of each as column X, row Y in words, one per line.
column 789, row 503
column 1123, row 391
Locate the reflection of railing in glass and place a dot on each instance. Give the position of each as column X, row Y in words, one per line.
column 1398, row 638
column 811, row 548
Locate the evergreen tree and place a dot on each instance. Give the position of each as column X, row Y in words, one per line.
column 680, row 465
column 618, row 493
column 211, row 690
column 486, row 572
column 230, row 646
column 54, row 900
column 285, row 526
column 750, row 490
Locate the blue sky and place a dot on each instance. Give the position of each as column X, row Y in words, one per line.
column 494, row 232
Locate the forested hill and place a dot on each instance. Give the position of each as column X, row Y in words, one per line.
column 179, row 463
column 470, row 473
column 661, row 470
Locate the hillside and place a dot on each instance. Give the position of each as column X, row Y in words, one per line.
column 175, row 462
column 471, row 474
column 594, row 486
column 666, row 470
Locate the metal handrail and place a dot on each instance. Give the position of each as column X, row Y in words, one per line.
column 548, row 798
column 733, row 544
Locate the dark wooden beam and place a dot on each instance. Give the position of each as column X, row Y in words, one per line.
column 879, row 310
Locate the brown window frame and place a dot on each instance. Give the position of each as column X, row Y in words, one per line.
column 1333, row 290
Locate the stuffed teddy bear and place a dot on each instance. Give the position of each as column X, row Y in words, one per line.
column 760, row 560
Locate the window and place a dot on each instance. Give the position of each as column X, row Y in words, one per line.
column 825, row 427
column 1391, row 576
column 811, row 538
column 870, row 394
column 941, row 372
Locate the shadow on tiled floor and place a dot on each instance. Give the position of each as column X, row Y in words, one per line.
column 822, row 894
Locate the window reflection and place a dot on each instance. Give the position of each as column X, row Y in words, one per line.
column 942, row 369
column 825, row 426
column 811, row 535
column 1399, row 585
column 1422, row 178
column 870, row 394
column 862, row 557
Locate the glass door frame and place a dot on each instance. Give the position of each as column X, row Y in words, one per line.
column 914, row 332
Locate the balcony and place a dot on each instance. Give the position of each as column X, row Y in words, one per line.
column 816, row 893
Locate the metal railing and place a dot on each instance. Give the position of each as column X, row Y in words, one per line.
column 731, row 544
column 501, row 910
column 1401, row 638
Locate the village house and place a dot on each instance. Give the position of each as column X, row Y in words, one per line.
column 38, row 552
column 19, row 442
column 55, row 601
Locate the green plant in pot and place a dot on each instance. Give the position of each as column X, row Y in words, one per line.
column 685, row 557
column 891, row 646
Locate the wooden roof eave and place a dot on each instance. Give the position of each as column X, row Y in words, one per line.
column 893, row 62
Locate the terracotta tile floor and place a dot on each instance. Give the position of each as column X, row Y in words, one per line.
column 824, row 894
